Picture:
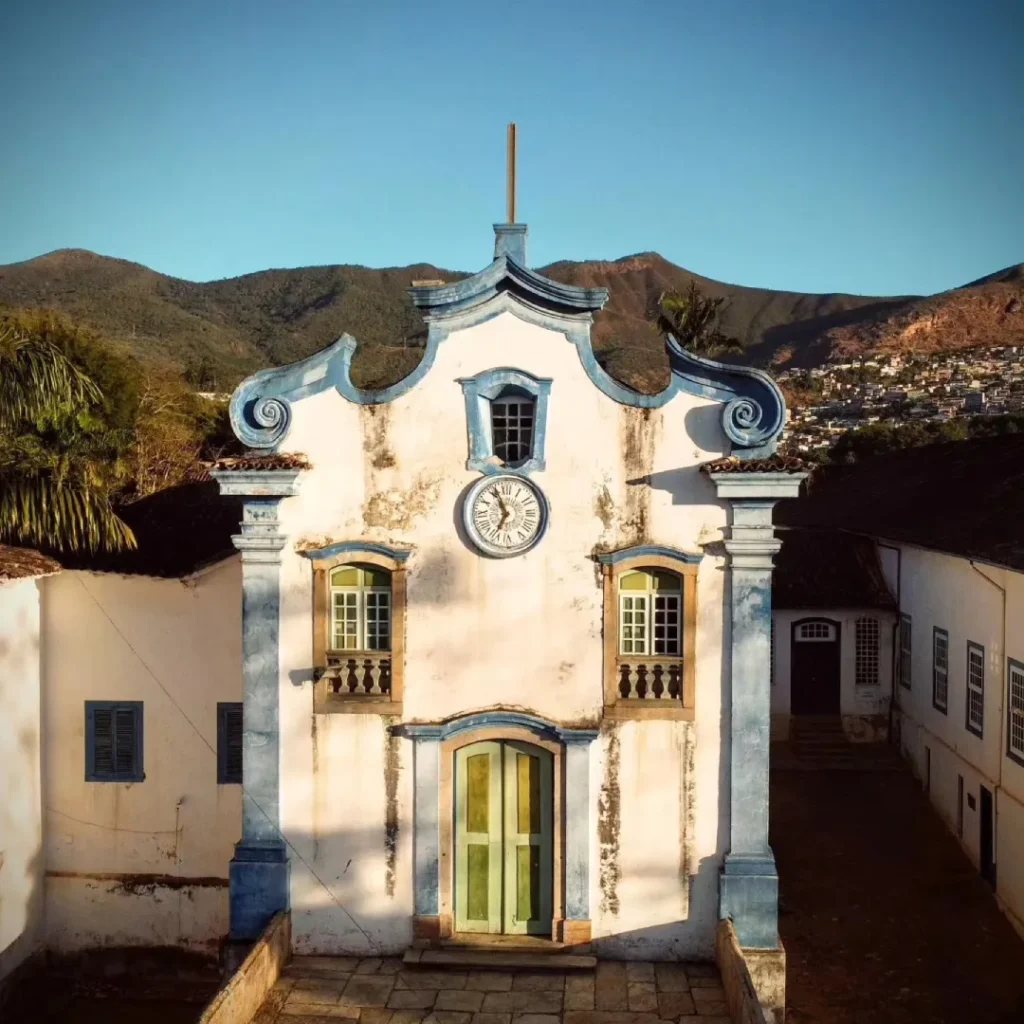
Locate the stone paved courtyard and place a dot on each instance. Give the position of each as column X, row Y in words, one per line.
column 314, row 990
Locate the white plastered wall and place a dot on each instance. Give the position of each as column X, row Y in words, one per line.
column 966, row 600
column 522, row 633
column 140, row 863
column 21, row 833
column 865, row 709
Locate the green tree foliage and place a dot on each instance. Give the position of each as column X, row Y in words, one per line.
column 85, row 428
column 54, row 491
column 879, row 438
column 691, row 317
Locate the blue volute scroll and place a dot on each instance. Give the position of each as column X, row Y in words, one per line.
column 752, row 418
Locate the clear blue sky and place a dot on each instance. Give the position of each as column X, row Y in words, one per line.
column 873, row 146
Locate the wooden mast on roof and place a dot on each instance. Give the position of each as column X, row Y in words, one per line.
column 510, row 192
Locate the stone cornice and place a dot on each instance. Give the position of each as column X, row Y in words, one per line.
column 757, row 486
column 258, row 483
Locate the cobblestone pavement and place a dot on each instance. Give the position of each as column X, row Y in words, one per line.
column 316, row 990
column 884, row 919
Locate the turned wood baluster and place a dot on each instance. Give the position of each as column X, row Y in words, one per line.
column 360, row 675
column 375, row 674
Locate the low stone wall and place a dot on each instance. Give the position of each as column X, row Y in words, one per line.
column 243, row 993
column 754, row 979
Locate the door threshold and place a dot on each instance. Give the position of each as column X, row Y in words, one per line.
column 494, row 957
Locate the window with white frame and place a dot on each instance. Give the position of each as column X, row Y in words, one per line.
column 906, row 659
column 1015, row 711
column 650, row 613
column 940, row 669
column 816, row 632
column 975, row 688
column 360, row 608
column 512, row 418
column 866, row 644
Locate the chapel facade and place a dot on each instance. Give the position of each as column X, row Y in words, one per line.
column 505, row 638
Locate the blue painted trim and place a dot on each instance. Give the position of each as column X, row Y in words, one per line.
column 752, row 418
column 647, row 550
column 495, row 720
column 137, row 773
column 1011, row 664
column 345, row 547
column 479, row 392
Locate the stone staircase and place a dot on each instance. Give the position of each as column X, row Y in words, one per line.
column 818, row 741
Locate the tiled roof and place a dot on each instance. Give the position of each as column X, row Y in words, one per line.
column 773, row 464
column 260, row 460
column 828, row 569
column 179, row 531
column 24, row 563
column 963, row 497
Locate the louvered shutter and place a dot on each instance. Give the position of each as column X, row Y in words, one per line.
column 125, row 726
column 229, row 742
column 102, row 743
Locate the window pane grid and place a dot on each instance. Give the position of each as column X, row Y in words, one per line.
column 360, row 615
column 905, row 651
column 1016, row 730
column 667, row 624
column 819, row 631
column 975, row 688
column 512, row 429
column 633, row 624
column 940, row 669
column 866, row 642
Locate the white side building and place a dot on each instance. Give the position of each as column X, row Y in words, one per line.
column 948, row 524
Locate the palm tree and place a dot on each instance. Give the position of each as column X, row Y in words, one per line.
column 53, row 489
column 692, row 319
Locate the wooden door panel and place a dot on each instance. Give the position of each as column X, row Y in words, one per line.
column 528, row 839
column 478, row 838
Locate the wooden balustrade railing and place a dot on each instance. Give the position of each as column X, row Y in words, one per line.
column 655, row 677
column 354, row 674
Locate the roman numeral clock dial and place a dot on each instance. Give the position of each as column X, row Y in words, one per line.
column 505, row 515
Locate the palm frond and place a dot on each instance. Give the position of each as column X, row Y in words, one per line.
column 37, row 381
column 40, row 510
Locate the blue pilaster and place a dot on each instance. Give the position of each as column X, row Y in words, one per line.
column 749, row 893
column 259, row 873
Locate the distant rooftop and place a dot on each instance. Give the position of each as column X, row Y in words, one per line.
column 964, row 497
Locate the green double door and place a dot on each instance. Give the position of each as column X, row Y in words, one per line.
column 503, row 832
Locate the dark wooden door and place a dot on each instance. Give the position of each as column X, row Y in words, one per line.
column 988, row 860
column 814, row 674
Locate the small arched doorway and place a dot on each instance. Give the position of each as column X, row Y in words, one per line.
column 504, row 826
column 815, row 668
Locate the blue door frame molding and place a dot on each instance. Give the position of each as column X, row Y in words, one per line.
column 427, row 740
column 752, row 417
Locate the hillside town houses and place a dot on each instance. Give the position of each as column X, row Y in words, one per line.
column 842, row 396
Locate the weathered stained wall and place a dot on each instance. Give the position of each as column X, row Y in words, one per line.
column 968, row 601
column 140, row 863
column 865, row 709
column 21, row 858
column 520, row 633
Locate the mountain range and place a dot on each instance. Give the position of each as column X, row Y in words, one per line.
column 231, row 327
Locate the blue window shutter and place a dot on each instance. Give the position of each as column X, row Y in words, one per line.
column 229, row 742
column 113, row 741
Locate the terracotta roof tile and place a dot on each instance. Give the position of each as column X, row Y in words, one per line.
column 772, row 464
column 24, row 563
column 261, row 460
column 828, row 569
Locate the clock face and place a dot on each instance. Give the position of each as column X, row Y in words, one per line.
column 505, row 515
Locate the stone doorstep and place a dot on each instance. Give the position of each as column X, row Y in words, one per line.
column 499, row 960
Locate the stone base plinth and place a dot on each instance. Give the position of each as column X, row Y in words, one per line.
column 259, row 888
